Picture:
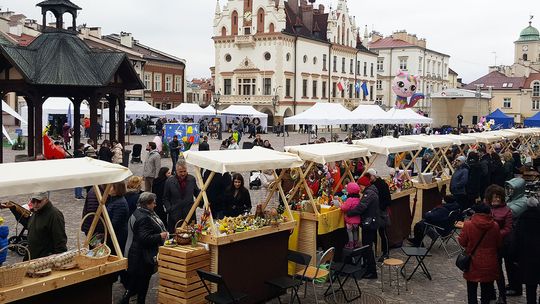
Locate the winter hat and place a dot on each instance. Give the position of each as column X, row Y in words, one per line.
column 531, row 202
column 462, row 159
column 372, row 172
column 481, row 208
column 353, row 188
column 364, row 181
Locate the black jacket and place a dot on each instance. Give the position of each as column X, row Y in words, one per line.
column 158, row 187
column 105, row 154
column 46, row 232
column 215, row 191
column 474, row 182
column 498, row 174
column 204, row 146
column 146, row 241
column 368, row 208
column 91, row 204
column 239, row 204
column 385, row 198
column 527, row 245
column 118, row 210
column 487, row 168
column 132, row 196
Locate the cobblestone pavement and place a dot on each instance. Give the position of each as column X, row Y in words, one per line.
column 447, row 285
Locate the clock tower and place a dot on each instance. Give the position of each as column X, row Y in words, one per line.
column 527, row 47
column 248, row 16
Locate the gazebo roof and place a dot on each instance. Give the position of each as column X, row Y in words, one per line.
column 65, row 3
column 62, row 59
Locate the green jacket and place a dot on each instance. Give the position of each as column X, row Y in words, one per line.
column 46, row 232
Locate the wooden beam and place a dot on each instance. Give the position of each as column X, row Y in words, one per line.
column 122, row 119
column 200, row 196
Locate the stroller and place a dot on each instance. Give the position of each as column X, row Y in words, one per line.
column 254, row 180
column 136, row 154
column 22, row 216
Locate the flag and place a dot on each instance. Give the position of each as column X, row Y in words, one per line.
column 357, row 87
column 365, row 89
column 69, row 118
column 340, row 85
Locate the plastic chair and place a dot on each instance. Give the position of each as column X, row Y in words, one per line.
column 282, row 284
column 224, row 295
column 311, row 273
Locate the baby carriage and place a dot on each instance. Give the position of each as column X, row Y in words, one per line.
column 22, row 215
column 255, row 180
column 136, row 154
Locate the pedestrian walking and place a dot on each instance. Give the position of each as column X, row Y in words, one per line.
column 151, row 166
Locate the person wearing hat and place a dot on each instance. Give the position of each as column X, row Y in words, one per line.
column 369, row 211
column 458, row 183
column 385, row 199
column 46, row 228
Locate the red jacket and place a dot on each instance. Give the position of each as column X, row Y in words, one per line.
column 503, row 216
column 484, row 265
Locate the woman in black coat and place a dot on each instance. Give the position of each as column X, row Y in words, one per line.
column 149, row 233
column 157, row 188
column 215, row 191
column 118, row 210
column 527, row 248
column 237, row 198
column 498, row 176
column 105, row 152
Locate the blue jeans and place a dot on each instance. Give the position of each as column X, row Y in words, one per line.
column 78, row 192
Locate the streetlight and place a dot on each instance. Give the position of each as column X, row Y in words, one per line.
column 275, row 102
column 217, row 97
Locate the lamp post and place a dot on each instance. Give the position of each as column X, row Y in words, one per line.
column 217, row 96
column 275, row 103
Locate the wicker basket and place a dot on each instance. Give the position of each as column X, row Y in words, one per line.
column 83, row 261
column 13, row 274
column 178, row 235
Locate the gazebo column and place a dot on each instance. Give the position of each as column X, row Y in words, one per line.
column 38, row 127
column 31, row 131
column 112, row 116
column 76, row 121
column 93, row 104
column 122, row 119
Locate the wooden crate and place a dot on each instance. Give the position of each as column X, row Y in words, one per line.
column 178, row 279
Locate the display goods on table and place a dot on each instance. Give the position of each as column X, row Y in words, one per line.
column 66, row 277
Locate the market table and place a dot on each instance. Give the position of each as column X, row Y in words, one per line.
column 91, row 285
column 246, row 259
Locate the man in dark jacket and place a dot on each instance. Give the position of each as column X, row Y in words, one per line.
column 368, row 209
column 487, row 169
column 385, row 199
column 174, row 148
column 458, row 183
column 474, row 181
column 204, row 146
column 46, row 228
column 178, row 195
column 437, row 216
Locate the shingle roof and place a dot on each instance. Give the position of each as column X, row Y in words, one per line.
column 388, row 42
column 148, row 53
column 498, row 81
column 532, row 77
column 320, row 19
column 59, row 2
column 450, row 71
column 63, row 59
column 23, row 39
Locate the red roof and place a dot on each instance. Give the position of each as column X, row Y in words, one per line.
column 498, row 81
column 23, row 39
column 532, row 77
column 388, row 42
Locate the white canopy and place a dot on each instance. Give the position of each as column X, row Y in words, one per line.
column 209, row 110
column 484, row 137
column 430, row 142
column 525, row 131
column 404, row 116
column 243, row 111
column 188, row 109
column 368, row 114
column 328, row 152
column 323, row 113
column 138, row 107
column 505, row 134
column 458, row 139
column 258, row 158
column 387, row 145
column 49, row 175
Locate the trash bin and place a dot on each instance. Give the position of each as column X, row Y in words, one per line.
column 125, row 159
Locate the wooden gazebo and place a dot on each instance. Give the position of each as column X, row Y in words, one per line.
column 59, row 64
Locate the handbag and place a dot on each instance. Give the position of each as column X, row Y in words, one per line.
column 463, row 260
column 369, row 223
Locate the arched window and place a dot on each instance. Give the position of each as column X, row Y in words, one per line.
column 536, row 89
column 348, row 38
column 524, row 57
column 234, row 23
column 271, row 28
column 223, row 31
column 260, row 20
column 338, row 33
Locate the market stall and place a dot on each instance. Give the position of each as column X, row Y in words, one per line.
column 400, row 183
column 320, row 222
column 484, row 137
column 240, row 245
column 529, row 140
column 92, row 281
column 507, row 139
column 463, row 143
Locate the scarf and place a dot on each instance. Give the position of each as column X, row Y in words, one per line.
column 154, row 217
column 182, row 182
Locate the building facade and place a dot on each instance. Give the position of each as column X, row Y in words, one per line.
column 200, row 91
column 406, row 52
column 284, row 56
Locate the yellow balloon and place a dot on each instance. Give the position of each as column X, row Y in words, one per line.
column 184, row 138
column 190, row 130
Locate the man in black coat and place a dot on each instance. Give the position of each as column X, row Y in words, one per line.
column 178, row 194
column 204, row 146
column 385, row 199
column 437, row 216
column 487, row 169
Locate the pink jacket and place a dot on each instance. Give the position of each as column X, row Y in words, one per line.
column 349, row 204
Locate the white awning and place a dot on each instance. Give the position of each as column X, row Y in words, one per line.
column 368, row 114
column 525, row 131
column 387, row 145
column 243, row 111
column 404, row 116
column 323, row 113
column 426, row 141
column 328, row 152
column 258, row 158
column 484, row 137
column 458, row 139
column 505, row 134
column 49, row 175
column 189, row 109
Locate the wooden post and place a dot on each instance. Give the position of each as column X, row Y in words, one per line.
column 76, row 121
column 200, row 196
column 30, row 148
column 93, row 104
column 38, row 118
column 122, row 119
column 112, row 117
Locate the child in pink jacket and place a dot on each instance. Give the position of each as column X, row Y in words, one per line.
column 352, row 222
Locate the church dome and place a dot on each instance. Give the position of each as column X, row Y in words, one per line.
column 530, row 33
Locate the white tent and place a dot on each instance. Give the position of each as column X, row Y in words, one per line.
column 484, row 137
column 244, row 111
column 187, row 109
column 51, row 106
column 387, row 145
column 427, row 141
column 328, row 152
column 209, row 110
column 404, row 116
column 138, row 108
column 323, row 113
column 368, row 114
column 457, row 139
column 6, row 108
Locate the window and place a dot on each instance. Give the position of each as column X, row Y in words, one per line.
column 365, row 68
column 148, row 81
column 267, row 56
column 305, row 58
column 288, row 56
column 227, row 84
column 439, row 69
column 314, row 92
column 234, row 23
column 314, row 60
column 324, row 62
column 324, row 89
column 420, row 65
column 223, row 31
column 350, row 90
column 371, row 70
column 371, row 93
column 351, row 67
column 168, row 83
column 343, row 65
column 267, row 86
column 246, row 86
column 334, row 88
column 427, row 67
column 304, row 88
column 288, row 87
column 358, row 67
column 505, row 85
column 507, row 103
column 379, row 84
column 228, row 57
column 403, row 63
column 247, row 30
column 380, row 64
column 525, row 57
column 157, row 82
column 378, row 100
column 178, row 84
column 335, row 64
column 536, row 104
column 536, row 89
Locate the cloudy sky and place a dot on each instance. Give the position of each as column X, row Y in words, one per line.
column 472, row 32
